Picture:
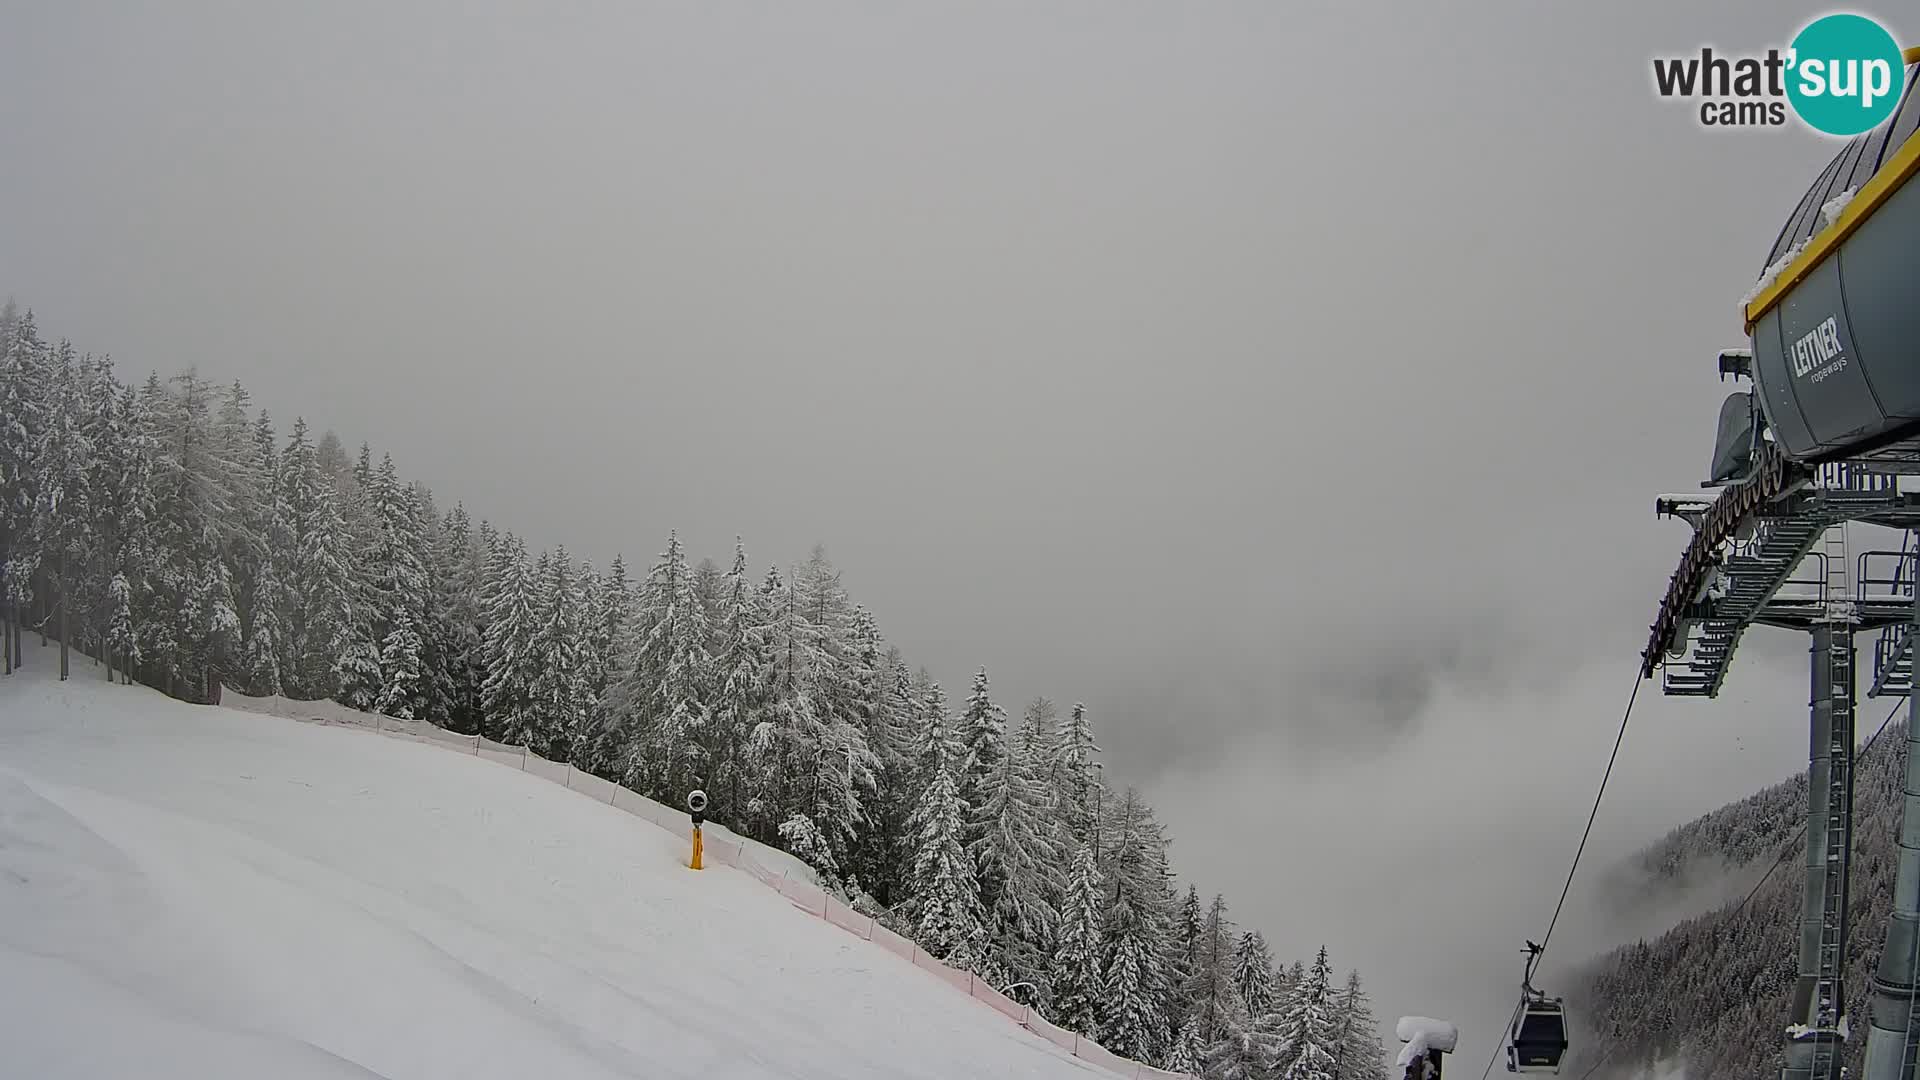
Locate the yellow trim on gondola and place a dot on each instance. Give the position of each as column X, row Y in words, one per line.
column 1880, row 187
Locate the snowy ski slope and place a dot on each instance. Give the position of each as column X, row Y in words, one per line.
column 192, row 892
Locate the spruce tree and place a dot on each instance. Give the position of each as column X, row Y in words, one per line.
column 983, row 738
column 196, row 629
column 261, row 592
column 557, row 688
column 58, row 533
column 1185, row 952
column 506, row 694
column 945, row 906
column 1076, row 780
column 1253, row 974
column 1308, row 1025
column 741, row 667
column 122, row 508
column 1248, row 1050
column 1137, row 929
column 604, row 748
column 1188, row 1052
column 315, row 599
column 398, row 593
column 1076, row 978
column 662, row 701
column 21, row 384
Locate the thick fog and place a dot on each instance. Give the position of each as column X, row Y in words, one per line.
column 1289, row 382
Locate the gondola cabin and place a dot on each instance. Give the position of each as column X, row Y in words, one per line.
column 1539, row 1037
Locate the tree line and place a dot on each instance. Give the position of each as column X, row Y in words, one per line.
column 168, row 531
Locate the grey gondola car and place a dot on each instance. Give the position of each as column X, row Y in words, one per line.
column 1836, row 347
column 1539, row 1037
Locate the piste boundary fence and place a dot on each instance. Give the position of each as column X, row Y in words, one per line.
column 729, row 850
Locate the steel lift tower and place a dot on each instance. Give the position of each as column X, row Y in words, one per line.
column 1823, row 438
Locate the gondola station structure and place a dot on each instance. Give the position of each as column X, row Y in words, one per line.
column 1827, row 434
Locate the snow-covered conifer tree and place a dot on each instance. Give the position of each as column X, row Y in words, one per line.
column 506, row 695
column 1253, row 974
column 21, row 384
column 315, row 584
column 1308, row 1026
column 1358, row 1054
column 59, row 533
column 1078, row 785
column 945, row 905
column 399, row 594
column 740, row 671
column 1076, row 976
column 1212, row 997
column 983, row 740
column 261, row 594
column 1133, row 1018
column 662, row 701
column 558, row 689
column 1017, row 861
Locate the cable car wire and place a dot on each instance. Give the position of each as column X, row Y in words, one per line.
column 1585, row 834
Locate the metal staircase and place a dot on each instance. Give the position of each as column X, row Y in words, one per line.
column 1893, row 651
column 1755, row 570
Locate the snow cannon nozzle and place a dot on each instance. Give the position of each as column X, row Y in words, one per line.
column 697, row 803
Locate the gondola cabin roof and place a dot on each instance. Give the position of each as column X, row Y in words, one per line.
column 1859, row 165
column 1835, row 333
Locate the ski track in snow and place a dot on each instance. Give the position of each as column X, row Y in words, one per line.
column 191, row 892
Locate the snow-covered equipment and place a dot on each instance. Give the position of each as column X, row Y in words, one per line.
column 1427, row 1039
column 1435, row 1034
column 1539, row 1037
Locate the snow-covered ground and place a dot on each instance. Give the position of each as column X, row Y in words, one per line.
column 200, row 892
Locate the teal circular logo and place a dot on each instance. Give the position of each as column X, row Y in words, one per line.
column 1844, row 74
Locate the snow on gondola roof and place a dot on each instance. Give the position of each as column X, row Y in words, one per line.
column 1846, row 173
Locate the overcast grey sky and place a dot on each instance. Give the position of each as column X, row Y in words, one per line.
column 1289, row 381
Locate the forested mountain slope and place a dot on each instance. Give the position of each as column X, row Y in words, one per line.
column 171, row 532
column 1713, row 991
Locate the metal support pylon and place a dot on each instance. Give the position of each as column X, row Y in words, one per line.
column 1816, row 1039
column 1894, row 1035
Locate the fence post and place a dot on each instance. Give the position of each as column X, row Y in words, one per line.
column 869, row 928
column 1076, row 1044
column 476, row 746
